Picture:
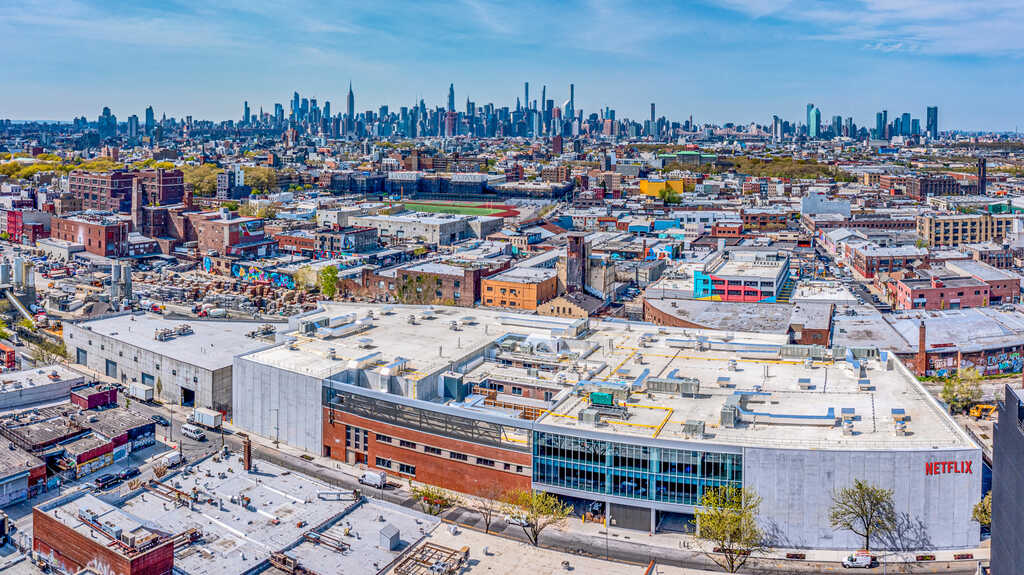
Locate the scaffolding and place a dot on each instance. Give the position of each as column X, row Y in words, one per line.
column 433, row 559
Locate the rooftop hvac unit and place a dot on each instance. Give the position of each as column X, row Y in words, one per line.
column 589, row 417
column 730, row 416
column 331, row 354
column 693, row 428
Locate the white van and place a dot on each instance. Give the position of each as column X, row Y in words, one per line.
column 193, row 432
column 378, row 479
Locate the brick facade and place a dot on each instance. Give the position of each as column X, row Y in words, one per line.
column 509, row 469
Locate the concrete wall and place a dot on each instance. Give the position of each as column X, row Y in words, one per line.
column 173, row 374
column 260, row 390
column 797, row 486
column 44, row 390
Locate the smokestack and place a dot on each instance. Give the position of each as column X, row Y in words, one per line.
column 922, row 350
column 247, row 453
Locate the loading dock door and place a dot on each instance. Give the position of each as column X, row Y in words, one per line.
column 111, row 368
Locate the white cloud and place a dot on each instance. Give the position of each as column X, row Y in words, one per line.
column 940, row 27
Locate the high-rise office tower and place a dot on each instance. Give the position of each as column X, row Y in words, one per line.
column 150, row 120
column 932, row 122
column 278, row 114
column 837, row 126
column 451, row 97
column 245, row 113
column 905, row 124
column 295, row 106
column 652, row 115
column 526, row 94
column 813, row 122
column 133, row 126
column 570, row 108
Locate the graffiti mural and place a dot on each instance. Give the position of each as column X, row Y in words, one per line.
column 255, row 274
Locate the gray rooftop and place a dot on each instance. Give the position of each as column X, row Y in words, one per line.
column 211, row 346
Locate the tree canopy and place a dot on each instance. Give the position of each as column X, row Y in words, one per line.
column 863, row 509
column 728, row 517
column 963, row 390
column 537, row 509
column 202, row 178
column 328, row 280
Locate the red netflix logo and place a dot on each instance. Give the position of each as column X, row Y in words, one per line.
column 944, row 467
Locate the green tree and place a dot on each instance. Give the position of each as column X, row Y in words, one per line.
column 202, row 178
column 26, row 324
column 962, row 390
column 328, row 281
column 537, row 509
column 668, row 195
column 864, row 510
column 434, row 500
column 727, row 517
column 982, row 512
column 260, row 178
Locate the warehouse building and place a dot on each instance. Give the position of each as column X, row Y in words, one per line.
column 629, row 419
column 185, row 363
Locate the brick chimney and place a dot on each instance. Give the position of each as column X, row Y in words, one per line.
column 921, row 363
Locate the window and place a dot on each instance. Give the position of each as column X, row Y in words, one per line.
column 517, row 390
column 385, row 463
column 383, row 438
column 431, row 450
column 458, row 456
column 406, row 469
column 487, row 462
column 406, row 444
column 508, row 467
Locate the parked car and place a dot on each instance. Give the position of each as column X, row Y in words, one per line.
column 160, row 420
column 517, row 520
column 129, row 472
column 107, row 480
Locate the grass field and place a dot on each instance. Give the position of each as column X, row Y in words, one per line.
column 461, row 208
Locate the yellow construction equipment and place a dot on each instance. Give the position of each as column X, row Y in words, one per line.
column 982, row 410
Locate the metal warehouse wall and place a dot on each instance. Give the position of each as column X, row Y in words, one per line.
column 797, row 487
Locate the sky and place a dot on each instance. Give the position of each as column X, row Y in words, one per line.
column 717, row 60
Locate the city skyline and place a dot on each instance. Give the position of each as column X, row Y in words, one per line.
column 706, row 59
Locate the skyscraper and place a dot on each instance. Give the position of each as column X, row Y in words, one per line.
column 905, row 124
column 451, row 97
column 526, row 94
column 133, row 126
column 932, row 122
column 813, row 122
column 295, row 105
column 350, row 110
column 245, row 113
column 150, row 121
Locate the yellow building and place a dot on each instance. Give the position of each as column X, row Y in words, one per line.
column 955, row 229
column 652, row 187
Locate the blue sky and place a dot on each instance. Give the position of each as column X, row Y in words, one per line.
column 719, row 60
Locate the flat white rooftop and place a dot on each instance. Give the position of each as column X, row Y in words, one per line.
column 211, row 346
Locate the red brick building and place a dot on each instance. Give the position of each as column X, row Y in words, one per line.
column 103, row 234
column 461, row 466
column 941, row 293
column 111, row 191
column 76, row 541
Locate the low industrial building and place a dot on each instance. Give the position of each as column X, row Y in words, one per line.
column 52, row 383
column 185, row 363
column 630, row 419
column 239, row 518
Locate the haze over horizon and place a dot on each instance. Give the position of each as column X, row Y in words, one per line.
column 720, row 60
